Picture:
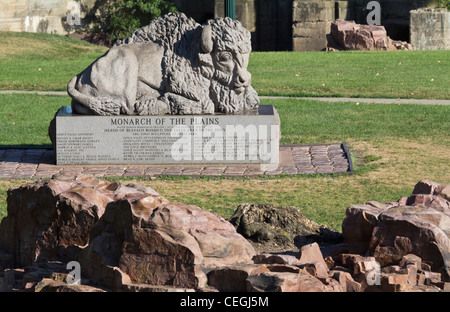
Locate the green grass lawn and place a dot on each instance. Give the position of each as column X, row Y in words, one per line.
column 304, row 121
column 30, row 61
column 24, row 118
column 48, row 62
column 378, row 74
column 394, row 146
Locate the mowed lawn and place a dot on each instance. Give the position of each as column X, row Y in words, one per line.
column 393, row 146
column 24, row 120
column 48, row 62
column 30, row 61
column 378, row 74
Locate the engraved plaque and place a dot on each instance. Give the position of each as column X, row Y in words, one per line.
column 247, row 138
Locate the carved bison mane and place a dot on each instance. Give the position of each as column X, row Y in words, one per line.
column 171, row 66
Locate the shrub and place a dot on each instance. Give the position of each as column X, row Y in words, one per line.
column 440, row 4
column 127, row 15
column 445, row 4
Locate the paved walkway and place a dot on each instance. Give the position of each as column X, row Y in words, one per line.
column 294, row 160
column 322, row 99
column 366, row 100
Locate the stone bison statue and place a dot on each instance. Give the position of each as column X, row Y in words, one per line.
column 172, row 66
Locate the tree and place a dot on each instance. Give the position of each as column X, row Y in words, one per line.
column 127, row 15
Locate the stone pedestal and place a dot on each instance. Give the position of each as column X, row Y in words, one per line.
column 247, row 138
column 430, row 29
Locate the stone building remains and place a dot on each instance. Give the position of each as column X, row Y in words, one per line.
column 276, row 25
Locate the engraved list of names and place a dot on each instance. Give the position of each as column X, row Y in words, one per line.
column 87, row 139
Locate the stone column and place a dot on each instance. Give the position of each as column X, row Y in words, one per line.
column 311, row 22
column 430, row 29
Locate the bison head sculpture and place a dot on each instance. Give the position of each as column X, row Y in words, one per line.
column 171, row 66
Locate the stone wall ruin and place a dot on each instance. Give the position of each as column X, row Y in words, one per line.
column 284, row 25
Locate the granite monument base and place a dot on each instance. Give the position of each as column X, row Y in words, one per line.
column 251, row 137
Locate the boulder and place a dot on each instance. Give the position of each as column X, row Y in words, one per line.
column 347, row 35
column 278, row 229
column 122, row 235
column 425, row 187
column 418, row 224
column 50, row 215
column 159, row 243
column 311, row 253
column 233, row 278
column 422, row 231
column 54, row 218
column 280, row 282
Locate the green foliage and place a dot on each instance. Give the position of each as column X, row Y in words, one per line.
column 444, row 4
column 440, row 4
column 128, row 15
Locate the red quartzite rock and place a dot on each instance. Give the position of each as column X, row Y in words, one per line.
column 311, row 253
column 347, row 35
column 412, row 229
column 234, row 277
column 121, row 234
column 419, row 225
column 153, row 241
column 159, row 243
column 50, row 215
column 130, row 238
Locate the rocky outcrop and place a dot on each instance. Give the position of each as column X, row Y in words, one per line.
column 278, row 229
column 418, row 224
column 120, row 234
column 156, row 242
column 129, row 238
column 50, row 215
column 347, row 35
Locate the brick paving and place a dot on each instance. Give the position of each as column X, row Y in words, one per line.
column 294, row 160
